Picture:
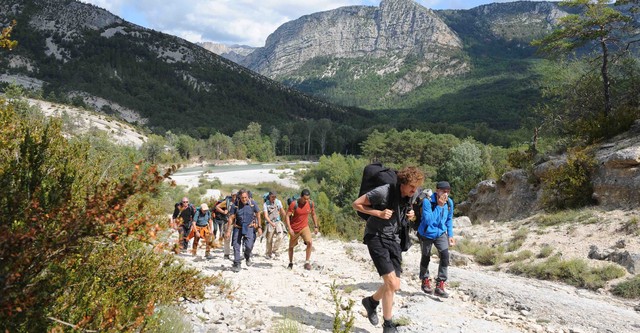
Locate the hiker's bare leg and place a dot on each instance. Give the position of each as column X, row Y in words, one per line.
column 309, row 248
column 386, row 292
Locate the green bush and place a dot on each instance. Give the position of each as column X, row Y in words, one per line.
column 545, row 251
column 563, row 216
column 117, row 285
column 569, row 185
column 520, row 256
column 483, row 254
column 632, row 226
column 628, row 289
column 75, row 213
column 575, row 272
column 518, row 239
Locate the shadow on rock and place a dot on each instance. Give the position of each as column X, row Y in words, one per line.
column 321, row 321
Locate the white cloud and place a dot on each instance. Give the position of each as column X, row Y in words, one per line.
column 235, row 21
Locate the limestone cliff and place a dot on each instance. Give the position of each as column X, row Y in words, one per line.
column 399, row 37
column 616, row 184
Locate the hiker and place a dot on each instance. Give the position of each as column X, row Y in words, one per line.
column 383, row 241
column 297, row 220
column 244, row 219
column 436, row 228
column 202, row 227
column 222, row 217
column 273, row 211
column 181, row 220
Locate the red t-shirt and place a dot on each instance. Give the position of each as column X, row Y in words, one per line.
column 300, row 218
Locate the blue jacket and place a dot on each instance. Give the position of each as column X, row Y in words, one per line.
column 437, row 221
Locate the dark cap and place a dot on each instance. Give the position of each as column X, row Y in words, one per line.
column 305, row 192
column 273, row 192
column 443, row 185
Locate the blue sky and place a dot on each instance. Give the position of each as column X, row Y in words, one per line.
column 246, row 22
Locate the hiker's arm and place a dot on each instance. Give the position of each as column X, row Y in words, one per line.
column 314, row 217
column 363, row 205
column 287, row 219
column 266, row 216
column 449, row 224
column 229, row 226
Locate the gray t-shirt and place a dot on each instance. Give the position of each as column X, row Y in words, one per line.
column 379, row 197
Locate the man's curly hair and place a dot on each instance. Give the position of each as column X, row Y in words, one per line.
column 410, row 175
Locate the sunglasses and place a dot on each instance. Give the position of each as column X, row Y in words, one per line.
column 185, row 202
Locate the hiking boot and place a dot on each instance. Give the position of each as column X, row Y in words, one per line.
column 194, row 251
column 372, row 313
column 249, row 262
column 307, row 266
column 226, row 257
column 209, row 256
column 236, row 267
column 290, row 265
column 440, row 289
column 426, row 286
column 389, row 327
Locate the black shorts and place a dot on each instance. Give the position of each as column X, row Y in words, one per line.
column 385, row 253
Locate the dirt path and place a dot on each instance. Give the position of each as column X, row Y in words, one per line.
column 271, row 298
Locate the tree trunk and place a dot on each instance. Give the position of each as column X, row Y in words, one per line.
column 606, row 83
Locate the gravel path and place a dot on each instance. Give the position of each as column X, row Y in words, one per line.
column 270, row 298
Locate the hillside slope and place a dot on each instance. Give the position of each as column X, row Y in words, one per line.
column 71, row 49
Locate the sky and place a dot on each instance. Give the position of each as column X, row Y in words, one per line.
column 244, row 22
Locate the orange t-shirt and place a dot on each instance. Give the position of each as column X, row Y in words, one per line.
column 300, row 218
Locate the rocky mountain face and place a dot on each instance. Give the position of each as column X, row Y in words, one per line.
column 398, row 46
column 616, row 184
column 399, row 38
column 234, row 52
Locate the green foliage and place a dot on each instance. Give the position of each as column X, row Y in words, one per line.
column 563, row 216
column 5, row 37
column 545, row 251
column 591, row 98
column 256, row 146
column 520, row 256
column 343, row 318
column 99, row 288
column 632, row 226
column 569, row 185
column 628, row 289
column 338, row 177
column 484, row 254
column 575, row 272
column 464, row 168
column 65, row 201
column 518, row 239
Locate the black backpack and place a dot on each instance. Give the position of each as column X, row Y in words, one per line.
column 374, row 175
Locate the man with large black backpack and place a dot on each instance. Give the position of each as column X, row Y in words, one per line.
column 386, row 206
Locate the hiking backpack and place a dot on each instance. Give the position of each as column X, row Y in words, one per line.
column 374, row 175
column 295, row 199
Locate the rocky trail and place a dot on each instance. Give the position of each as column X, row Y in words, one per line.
column 268, row 297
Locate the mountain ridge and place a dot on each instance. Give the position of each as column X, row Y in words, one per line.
column 71, row 46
